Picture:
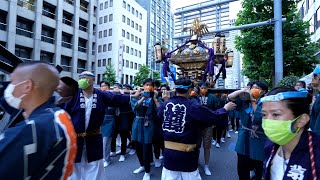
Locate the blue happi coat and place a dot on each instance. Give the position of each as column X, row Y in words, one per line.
column 41, row 147
column 299, row 165
column 248, row 145
column 108, row 125
column 182, row 119
column 140, row 132
column 315, row 116
column 76, row 109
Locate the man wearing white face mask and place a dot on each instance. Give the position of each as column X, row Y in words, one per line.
column 30, row 149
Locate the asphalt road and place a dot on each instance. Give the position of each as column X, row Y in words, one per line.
column 223, row 164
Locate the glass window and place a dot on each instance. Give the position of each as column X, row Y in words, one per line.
column 137, row 26
column 124, row 18
column 131, row 51
column 99, row 49
column 137, row 13
column 139, row 54
column 131, row 65
column 109, row 61
column 104, row 62
column 123, row 33
column 110, row 32
column 104, row 48
column 101, row 6
column 110, row 47
column 128, row 21
column 135, row 52
column 111, row 3
column 127, row 63
column 105, row 33
column 140, row 16
column 140, row 29
column 110, row 17
column 100, row 20
column 105, row 18
column 100, row 34
column 128, row 7
column 132, row 24
column 128, row 35
column 132, row 10
column 136, row 39
column 127, row 49
column 132, row 37
column 318, row 18
column 106, row 4
column 99, row 62
column 124, row 4
column 140, row 41
column 135, row 66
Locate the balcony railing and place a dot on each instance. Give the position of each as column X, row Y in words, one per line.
column 83, row 8
column 69, row 1
column 25, row 59
column 48, row 14
column 3, row 26
column 24, row 32
column 80, row 70
column 47, row 39
column 66, row 44
column 26, row 5
column 66, row 68
column 83, row 28
column 82, row 49
column 67, row 21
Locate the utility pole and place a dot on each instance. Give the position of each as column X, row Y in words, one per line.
column 278, row 43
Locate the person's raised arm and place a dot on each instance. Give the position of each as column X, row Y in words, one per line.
column 208, row 116
column 233, row 96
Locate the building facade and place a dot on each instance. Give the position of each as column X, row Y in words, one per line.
column 215, row 17
column 121, row 38
column 60, row 32
column 310, row 11
column 159, row 28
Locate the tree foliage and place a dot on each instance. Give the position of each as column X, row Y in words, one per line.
column 288, row 81
column 156, row 75
column 257, row 44
column 110, row 75
column 141, row 75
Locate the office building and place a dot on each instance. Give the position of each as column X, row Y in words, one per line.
column 159, row 27
column 215, row 17
column 310, row 11
column 60, row 32
column 121, row 38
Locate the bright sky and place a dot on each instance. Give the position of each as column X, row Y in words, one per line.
column 234, row 6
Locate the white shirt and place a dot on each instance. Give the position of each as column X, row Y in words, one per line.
column 88, row 109
column 278, row 167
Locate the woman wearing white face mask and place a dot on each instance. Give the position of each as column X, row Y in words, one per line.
column 293, row 153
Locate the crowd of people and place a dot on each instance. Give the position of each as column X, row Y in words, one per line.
column 69, row 129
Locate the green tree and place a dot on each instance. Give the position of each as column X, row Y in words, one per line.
column 257, row 44
column 288, row 81
column 110, row 75
column 143, row 74
column 156, row 75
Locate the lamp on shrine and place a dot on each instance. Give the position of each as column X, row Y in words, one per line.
column 229, row 62
column 158, row 52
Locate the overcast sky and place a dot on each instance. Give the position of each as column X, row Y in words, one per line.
column 234, row 6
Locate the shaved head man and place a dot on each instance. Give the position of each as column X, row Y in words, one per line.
column 32, row 84
column 30, row 149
